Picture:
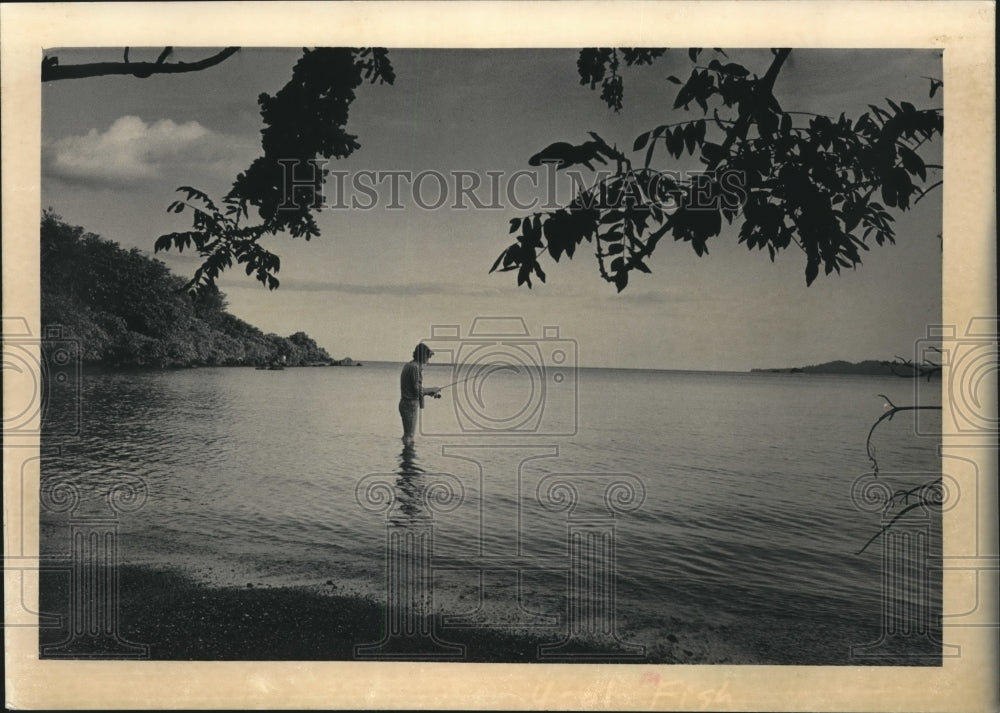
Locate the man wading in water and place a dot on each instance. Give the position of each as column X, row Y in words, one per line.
column 412, row 391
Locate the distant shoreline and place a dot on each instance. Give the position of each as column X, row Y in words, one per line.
column 864, row 368
column 869, row 367
column 97, row 366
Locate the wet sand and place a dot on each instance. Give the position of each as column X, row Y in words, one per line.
column 179, row 619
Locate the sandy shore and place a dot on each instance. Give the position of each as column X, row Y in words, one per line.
column 181, row 620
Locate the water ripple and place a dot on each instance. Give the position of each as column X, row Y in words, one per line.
column 747, row 483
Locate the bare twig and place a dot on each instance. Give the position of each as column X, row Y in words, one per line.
column 926, row 369
column 893, row 410
column 904, row 495
column 889, row 524
column 925, row 191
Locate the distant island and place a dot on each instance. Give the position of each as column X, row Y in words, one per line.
column 868, row 367
column 126, row 309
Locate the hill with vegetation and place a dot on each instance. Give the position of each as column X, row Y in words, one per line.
column 869, row 367
column 127, row 309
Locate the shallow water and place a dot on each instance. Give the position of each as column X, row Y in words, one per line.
column 718, row 506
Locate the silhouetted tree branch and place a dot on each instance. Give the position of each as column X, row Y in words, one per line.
column 791, row 177
column 305, row 120
column 926, row 369
column 52, row 70
column 811, row 183
column 887, row 416
column 927, row 494
column 888, row 526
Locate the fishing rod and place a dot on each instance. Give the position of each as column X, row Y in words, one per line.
column 454, row 383
column 471, row 376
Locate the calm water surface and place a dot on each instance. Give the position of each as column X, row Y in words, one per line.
column 739, row 540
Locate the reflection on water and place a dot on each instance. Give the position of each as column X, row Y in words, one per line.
column 409, row 485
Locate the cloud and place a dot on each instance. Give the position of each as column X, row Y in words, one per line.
column 132, row 151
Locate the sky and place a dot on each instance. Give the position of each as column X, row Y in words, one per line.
column 377, row 281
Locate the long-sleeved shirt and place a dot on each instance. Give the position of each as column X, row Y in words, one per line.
column 411, row 383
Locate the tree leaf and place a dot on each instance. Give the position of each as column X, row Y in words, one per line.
column 536, row 231
column 912, row 162
column 690, row 137
column 904, row 187
column 652, row 144
column 497, row 262
column 525, row 236
column 684, row 96
column 511, row 256
column 812, row 270
column 888, row 193
column 675, row 142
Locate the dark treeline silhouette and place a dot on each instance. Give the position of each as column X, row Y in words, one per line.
column 127, row 309
column 867, row 367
